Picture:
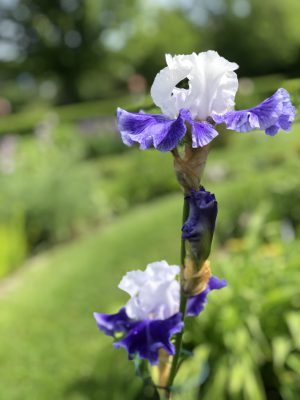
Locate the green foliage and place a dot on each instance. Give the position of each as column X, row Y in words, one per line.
column 49, row 342
column 61, row 187
column 136, row 177
column 66, row 51
column 28, row 119
column 257, row 26
column 248, row 334
column 55, row 194
column 13, row 245
column 249, row 329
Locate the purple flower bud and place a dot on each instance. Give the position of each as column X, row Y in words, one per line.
column 199, row 227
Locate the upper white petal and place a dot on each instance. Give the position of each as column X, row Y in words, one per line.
column 212, row 85
column 162, row 270
column 132, row 282
column 154, row 292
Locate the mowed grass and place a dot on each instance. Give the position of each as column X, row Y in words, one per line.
column 50, row 347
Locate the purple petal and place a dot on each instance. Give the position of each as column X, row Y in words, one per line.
column 273, row 114
column 202, row 132
column 145, row 337
column 150, row 130
column 199, row 227
column 110, row 324
column 148, row 336
column 196, row 303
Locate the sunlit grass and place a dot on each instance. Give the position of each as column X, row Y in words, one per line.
column 50, row 347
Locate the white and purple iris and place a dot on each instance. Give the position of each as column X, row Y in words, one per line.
column 208, row 100
column 151, row 316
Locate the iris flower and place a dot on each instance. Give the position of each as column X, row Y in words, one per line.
column 151, row 316
column 208, row 101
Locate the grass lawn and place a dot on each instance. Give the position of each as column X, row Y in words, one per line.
column 50, row 347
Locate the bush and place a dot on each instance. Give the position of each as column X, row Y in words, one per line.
column 13, row 245
column 57, row 193
column 249, row 335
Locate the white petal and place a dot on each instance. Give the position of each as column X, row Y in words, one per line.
column 166, row 80
column 160, row 270
column 134, row 310
column 212, row 85
column 132, row 282
column 157, row 300
column 155, row 292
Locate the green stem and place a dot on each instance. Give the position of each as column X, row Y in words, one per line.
column 150, row 390
column 182, row 309
column 185, row 213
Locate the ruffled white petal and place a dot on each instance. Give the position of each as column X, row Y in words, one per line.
column 212, row 85
column 154, row 292
column 162, row 270
column 132, row 282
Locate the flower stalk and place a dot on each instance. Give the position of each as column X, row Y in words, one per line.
column 182, row 310
column 159, row 302
column 189, row 168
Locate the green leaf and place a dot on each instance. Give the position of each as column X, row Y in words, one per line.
column 293, row 362
column 281, row 348
column 193, row 372
column 293, row 321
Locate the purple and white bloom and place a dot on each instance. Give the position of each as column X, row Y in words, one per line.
column 151, row 316
column 208, row 100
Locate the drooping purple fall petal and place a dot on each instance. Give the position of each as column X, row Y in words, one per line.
column 273, row 114
column 144, row 337
column 150, row 130
column 196, row 303
column 148, row 336
column 110, row 324
column 202, row 131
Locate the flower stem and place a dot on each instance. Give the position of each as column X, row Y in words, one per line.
column 150, row 390
column 185, row 213
column 182, row 309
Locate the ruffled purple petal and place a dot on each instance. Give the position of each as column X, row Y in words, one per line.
column 202, row 132
column 148, row 336
column 196, row 303
column 145, row 337
column 111, row 324
column 150, row 130
column 273, row 114
column 199, row 227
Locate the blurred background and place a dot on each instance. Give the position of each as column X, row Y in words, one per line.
column 78, row 208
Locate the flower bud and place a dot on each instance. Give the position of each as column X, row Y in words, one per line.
column 198, row 232
column 199, row 227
